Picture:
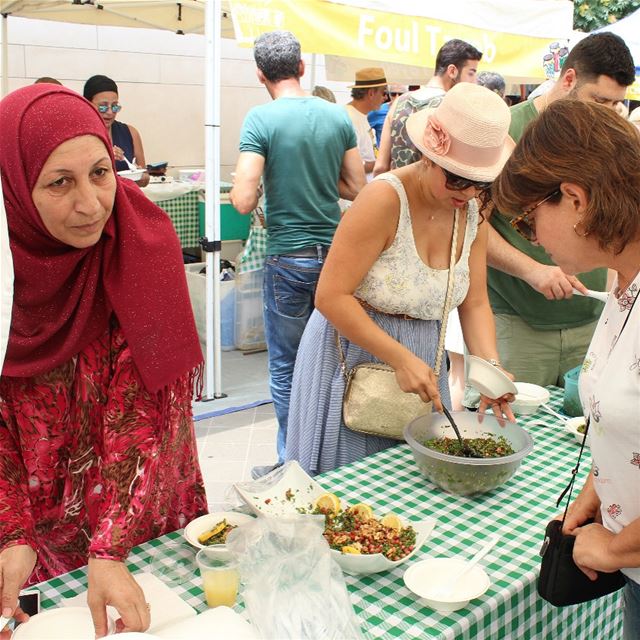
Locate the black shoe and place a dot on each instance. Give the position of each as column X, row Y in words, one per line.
column 258, row 472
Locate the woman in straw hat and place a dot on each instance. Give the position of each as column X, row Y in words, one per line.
column 97, row 448
column 576, row 175
column 384, row 284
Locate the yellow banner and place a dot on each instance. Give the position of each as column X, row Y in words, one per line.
column 633, row 92
column 333, row 29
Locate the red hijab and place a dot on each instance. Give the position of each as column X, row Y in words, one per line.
column 64, row 296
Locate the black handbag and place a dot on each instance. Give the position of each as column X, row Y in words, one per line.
column 561, row 582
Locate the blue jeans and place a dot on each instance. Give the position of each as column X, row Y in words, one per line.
column 631, row 629
column 289, row 289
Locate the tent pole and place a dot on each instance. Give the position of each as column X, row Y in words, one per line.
column 213, row 24
column 4, row 88
column 313, row 72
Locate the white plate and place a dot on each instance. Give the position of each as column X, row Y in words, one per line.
column 363, row 564
column 425, row 577
column 65, row 623
column 205, row 523
column 284, row 491
column 130, row 174
column 487, row 379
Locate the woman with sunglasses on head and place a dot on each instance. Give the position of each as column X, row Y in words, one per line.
column 384, row 284
column 576, row 175
column 102, row 92
column 97, row 447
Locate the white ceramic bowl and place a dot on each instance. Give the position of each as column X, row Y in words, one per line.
column 64, row 623
column 571, row 426
column 366, row 563
column 529, row 398
column 205, row 523
column 130, row 174
column 487, row 379
column 426, row 576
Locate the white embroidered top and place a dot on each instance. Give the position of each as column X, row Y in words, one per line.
column 399, row 282
column 610, row 393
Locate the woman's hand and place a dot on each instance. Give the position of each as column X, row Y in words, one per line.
column 118, row 153
column 16, row 564
column 500, row 406
column 110, row 583
column 415, row 376
column 585, row 507
column 591, row 550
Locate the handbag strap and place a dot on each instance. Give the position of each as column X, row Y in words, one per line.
column 445, row 309
column 574, row 472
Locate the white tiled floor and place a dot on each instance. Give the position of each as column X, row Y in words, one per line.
column 230, row 445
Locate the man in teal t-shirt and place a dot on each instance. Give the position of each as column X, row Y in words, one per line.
column 544, row 330
column 305, row 150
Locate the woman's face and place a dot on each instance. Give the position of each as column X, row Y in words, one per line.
column 554, row 228
column 442, row 193
column 75, row 191
column 104, row 102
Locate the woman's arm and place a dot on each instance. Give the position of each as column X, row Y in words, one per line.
column 17, row 533
column 138, row 154
column 366, row 230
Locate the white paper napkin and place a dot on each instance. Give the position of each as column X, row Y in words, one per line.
column 221, row 623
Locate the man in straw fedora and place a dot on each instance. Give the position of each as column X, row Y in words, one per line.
column 367, row 94
column 305, row 148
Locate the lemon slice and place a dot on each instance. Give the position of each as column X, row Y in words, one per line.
column 392, row 521
column 362, row 511
column 328, row 502
column 349, row 549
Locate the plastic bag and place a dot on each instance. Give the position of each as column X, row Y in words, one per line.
column 292, row 586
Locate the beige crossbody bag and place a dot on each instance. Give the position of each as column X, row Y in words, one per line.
column 373, row 403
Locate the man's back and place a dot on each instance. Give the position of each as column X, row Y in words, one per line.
column 303, row 141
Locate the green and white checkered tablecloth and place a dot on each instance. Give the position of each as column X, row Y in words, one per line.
column 518, row 511
column 183, row 212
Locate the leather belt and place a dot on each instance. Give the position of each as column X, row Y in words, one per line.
column 368, row 307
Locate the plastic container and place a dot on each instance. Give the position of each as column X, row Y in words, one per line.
column 196, row 282
column 249, row 334
column 466, row 476
column 571, row 404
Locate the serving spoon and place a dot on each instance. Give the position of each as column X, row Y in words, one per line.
column 131, row 165
column 466, row 449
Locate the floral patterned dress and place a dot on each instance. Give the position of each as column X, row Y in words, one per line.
column 91, row 463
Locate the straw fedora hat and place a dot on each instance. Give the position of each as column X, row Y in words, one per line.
column 369, row 78
column 467, row 133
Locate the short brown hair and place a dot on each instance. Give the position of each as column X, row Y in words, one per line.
column 585, row 144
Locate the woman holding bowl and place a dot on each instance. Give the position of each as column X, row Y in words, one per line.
column 576, row 176
column 97, row 447
column 384, row 283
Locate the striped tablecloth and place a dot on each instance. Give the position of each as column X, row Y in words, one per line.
column 518, row 511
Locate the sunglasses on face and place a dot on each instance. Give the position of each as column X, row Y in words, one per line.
column 115, row 107
column 524, row 224
column 458, row 183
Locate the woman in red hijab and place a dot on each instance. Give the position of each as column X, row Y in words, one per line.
column 97, row 447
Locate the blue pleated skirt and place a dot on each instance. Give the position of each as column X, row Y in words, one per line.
column 316, row 435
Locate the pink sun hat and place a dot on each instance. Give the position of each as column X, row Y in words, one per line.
column 467, row 133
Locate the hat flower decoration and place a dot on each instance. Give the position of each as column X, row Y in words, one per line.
column 435, row 137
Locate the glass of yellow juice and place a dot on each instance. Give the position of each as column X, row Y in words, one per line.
column 220, row 578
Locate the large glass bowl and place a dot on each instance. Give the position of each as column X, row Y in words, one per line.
column 465, row 476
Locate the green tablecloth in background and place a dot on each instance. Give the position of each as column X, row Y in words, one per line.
column 518, row 511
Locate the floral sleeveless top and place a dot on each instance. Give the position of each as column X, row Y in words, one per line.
column 399, row 282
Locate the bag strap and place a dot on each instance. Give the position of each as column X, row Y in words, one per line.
column 445, row 310
column 574, row 472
